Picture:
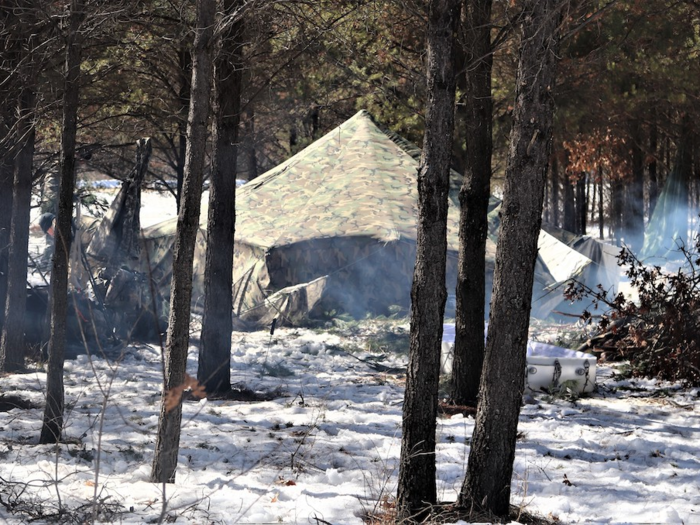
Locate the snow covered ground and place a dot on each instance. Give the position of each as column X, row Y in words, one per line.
column 327, row 446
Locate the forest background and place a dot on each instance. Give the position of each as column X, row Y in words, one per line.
column 626, row 94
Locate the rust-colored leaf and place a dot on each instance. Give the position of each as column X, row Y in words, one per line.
column 174, row 396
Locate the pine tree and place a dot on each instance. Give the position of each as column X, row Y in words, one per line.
column 168, row 438
column 492, row 453
column 416, row 487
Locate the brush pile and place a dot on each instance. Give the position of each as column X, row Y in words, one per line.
column 659, row 333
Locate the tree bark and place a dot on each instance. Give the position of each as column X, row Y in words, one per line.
column 601, row 204
column 696, row 179
column 12, row 342
column 214, row 370
column 581, row 204
column 8, row 104
column 554, row 173
column 249, row 144
column 492, row 452
column 416, row 485
column 569, row 205
column 685, row 158
column 53, row 411
column 185, row 63
column 168, row 438
column 474, row 200
column 653, row 167
column 634, row 194
column 592, row 195
column 7, row 166
column 616, row 202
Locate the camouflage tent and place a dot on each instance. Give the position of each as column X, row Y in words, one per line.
column 331, row 229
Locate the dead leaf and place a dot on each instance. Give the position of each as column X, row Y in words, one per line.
column 174, row 395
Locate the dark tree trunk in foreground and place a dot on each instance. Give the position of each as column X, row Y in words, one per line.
column 8, row 107
column 492, row 453
column 416, row 486
column 168, row 438
column 214, row 370
column 185, row 63
column 7, row 166
column 53, row 411
column 474, row 199
column 12, row 342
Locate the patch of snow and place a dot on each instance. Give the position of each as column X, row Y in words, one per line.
column 329, row 448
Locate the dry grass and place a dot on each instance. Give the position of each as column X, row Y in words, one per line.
column 450, row 513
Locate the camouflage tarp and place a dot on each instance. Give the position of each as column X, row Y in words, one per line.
column 343, row 209
column 116, row 242
column 293, row 304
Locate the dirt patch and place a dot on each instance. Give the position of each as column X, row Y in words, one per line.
column 10, row 402
column 240, row 393
column 449, row 410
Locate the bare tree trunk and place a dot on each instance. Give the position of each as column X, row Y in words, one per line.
column 653, row 164
column 249, row 145
column 12, row 342
column 546, row 206
column 592, row 192
column 634, row 195
column 685, row 166
column 185, row 63
column 616, row 202
column 53, row 411
column 601, row 204
column 569, row 206
column 492, row 453
column 215, row 351
column 696, row 180
column 474, row 200
column 416, row 486
column 168, row 438
column 581, row 204
column 7, row 166
column 8, row 105
column 554, row 173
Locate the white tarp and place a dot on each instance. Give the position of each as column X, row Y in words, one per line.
column 562, row 262
column 548, row 366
